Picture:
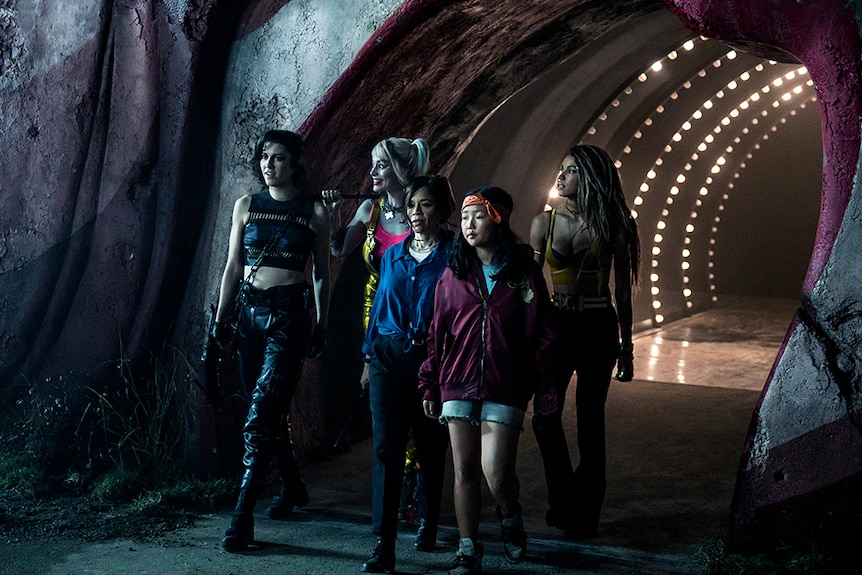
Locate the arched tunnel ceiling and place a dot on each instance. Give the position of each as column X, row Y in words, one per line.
column 502, row 90
column 632, row 84
column 439, row 69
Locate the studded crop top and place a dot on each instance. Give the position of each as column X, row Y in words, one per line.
column 268, row 217
column 589, row 269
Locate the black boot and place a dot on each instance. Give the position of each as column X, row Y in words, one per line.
column 240, row 533
column 426, row 536
column 382, row 559
column 284, row 503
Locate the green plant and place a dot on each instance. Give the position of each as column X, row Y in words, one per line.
column 118, row 484
column 31, row 428
column 717, row 556
column 142, row 424
column 18, row 473
column 187, row 493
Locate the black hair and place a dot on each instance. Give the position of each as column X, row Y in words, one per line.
column 602, row 204
column 441, row 191
column 508, row 252
column 293, row 143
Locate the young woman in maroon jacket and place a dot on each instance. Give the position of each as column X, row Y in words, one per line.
column 488, row 353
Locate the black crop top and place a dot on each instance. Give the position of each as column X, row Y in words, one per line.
column 266, row 218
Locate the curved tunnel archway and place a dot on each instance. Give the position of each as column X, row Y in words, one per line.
column 710, row 126
column 501, row 89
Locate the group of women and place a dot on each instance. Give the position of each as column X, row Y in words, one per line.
column 461, row 334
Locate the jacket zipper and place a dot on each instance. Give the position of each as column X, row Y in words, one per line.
column 484, row 332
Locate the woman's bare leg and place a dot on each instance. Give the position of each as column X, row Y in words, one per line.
column 466, row 457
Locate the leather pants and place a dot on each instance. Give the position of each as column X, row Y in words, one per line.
column 274, row 330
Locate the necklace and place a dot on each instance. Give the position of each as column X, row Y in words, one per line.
column 568, row 209
column 415, row 246
column 389, row 211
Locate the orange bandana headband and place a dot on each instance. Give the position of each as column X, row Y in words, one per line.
column 496, row 213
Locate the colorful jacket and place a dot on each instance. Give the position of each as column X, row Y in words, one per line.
column 497, row 348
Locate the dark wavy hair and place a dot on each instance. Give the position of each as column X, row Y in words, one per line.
column 441, row 191
column 602, row 203
column 509, row 254
column 293, row 143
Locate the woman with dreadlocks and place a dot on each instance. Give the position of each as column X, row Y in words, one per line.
column 591, row 236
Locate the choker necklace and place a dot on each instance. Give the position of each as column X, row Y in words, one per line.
column 389, row 211
column 414, row 245
column 568, row 209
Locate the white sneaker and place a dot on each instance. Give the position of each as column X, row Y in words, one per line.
column 468, row 561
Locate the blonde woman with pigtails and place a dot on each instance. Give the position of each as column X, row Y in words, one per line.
column 379, row 223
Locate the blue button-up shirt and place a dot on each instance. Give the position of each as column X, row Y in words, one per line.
column 404, row 301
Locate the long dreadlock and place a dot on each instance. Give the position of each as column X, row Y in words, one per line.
column 602, row 203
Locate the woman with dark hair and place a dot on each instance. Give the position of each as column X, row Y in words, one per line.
column 394, row 349
column 488, row 349
column 378, row 224
column 273, row 234
column 591, row 237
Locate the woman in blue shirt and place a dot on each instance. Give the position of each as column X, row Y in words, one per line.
column 394, row 349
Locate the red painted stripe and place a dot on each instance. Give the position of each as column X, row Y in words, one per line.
column 406, row 18
column 802, row 465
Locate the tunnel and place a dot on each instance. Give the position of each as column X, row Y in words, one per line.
column 736, row 134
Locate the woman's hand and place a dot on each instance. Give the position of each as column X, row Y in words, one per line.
column 364, row 378
column 332, row 198
column 625, row 365
column 430, row 408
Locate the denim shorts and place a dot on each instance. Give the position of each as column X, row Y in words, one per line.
column 475, row 411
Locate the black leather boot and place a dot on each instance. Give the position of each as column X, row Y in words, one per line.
column 240, row 533
column 426, row 536
column 287, row 500
column 382, row 559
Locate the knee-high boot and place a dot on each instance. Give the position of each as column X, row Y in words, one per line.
column 240, row 533
column 293, row 492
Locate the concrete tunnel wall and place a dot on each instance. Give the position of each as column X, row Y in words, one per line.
column 160, row 103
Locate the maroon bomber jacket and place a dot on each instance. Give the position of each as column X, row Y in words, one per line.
column 496, row 347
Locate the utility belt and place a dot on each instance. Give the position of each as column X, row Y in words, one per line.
column 567, row 302
column 290, row 297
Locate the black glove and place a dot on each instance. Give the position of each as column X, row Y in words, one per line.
column 318, row 340
column 625, row 364
column 219, row 335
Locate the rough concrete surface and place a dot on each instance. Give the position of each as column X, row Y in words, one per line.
column 673, row 455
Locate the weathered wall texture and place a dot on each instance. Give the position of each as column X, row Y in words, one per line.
column 802, row 467
column 125, row 128
column 102, row 183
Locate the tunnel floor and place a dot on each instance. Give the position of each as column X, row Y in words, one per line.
column 674, row 436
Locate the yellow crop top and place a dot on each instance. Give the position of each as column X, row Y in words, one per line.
column 589, row 270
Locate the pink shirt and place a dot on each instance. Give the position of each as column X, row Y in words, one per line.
column 382, row 241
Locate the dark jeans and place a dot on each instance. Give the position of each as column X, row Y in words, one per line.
column 395, row 408
column 274, row 329
column 589, row 346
